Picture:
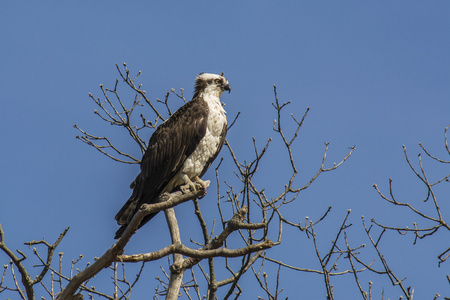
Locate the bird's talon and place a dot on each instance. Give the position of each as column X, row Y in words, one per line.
column 192, row 187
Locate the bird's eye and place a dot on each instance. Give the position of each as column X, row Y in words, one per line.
column 217, row 81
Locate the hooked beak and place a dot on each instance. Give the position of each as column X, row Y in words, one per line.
column 227, row 88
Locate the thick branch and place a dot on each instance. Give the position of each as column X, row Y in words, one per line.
column 112, row 253
column 199, row 254
column 176, row 274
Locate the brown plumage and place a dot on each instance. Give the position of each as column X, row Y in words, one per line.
column 172, row 146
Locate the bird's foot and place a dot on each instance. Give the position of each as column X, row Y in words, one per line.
column 203, row 184
column 189, row 185
column 193, row 186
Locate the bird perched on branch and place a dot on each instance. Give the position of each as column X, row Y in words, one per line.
column 181, row 149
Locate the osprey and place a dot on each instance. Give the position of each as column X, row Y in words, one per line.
column 181, row 149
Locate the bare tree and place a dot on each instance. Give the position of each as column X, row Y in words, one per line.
column 243, row 198
column 430, row 215
column 243, row 237
column 435, row 219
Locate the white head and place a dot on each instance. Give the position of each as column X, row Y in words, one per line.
column 212, row 84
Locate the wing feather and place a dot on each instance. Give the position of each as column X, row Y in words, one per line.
column 169, row 147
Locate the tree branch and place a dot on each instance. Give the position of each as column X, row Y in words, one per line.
column 169, row 201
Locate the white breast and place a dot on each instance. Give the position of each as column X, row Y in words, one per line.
column 210, row 142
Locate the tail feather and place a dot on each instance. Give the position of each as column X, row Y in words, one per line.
column 127, row 211
column 121, row 230
column 142, row 193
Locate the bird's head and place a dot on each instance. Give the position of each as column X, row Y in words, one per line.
column 212, row 84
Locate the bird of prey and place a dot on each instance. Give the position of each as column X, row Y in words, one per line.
column 181, row 149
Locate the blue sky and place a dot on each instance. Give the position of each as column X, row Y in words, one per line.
column 374, row 74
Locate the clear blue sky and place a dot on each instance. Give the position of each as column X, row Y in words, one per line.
column 375, row 75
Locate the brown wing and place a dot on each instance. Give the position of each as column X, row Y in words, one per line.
column 169, row 147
